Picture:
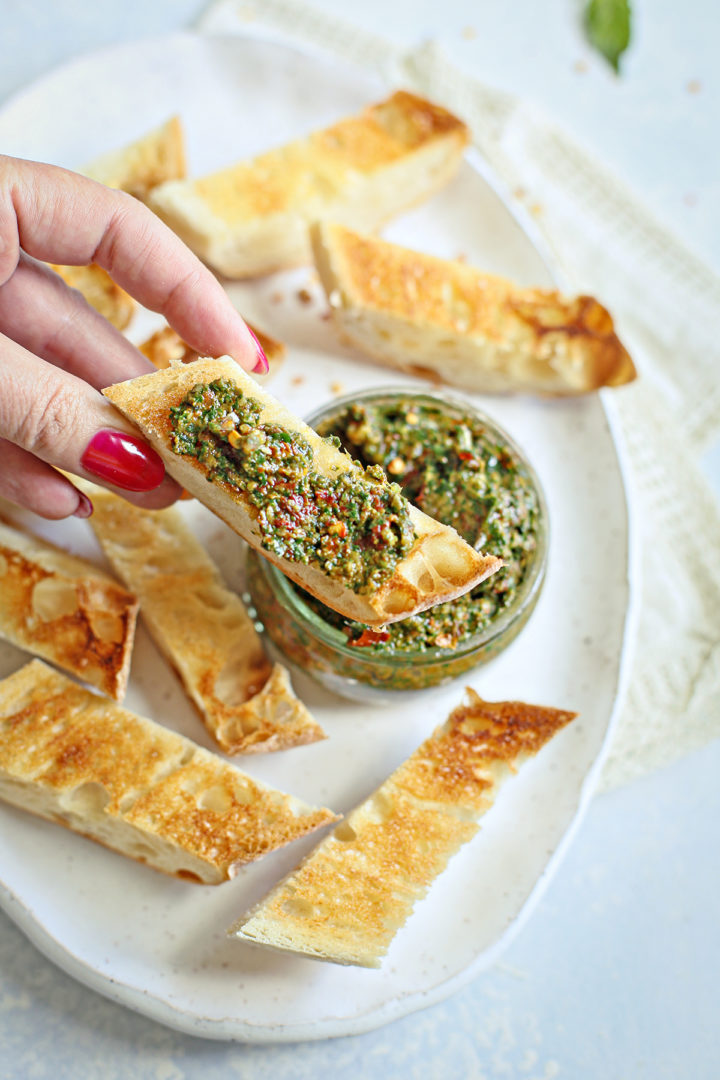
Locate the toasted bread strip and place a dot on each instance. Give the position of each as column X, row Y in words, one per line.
column 137, row 168
column 252, row 217
column 455, row 324
column 166, row 347
column 246, row 703
column 135, row 786
column 440, row 565
column 64, row 609
column 346, row 901
column 100, row 291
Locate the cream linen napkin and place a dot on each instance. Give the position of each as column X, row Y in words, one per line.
column 666, row 304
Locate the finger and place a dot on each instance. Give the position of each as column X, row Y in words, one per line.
column 58, row 216
column 41, row 313
column 29, row 482
column 59, row 419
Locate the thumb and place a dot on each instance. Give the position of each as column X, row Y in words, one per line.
column 52, row 416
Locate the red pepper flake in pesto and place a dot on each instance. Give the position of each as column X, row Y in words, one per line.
column 368, row 637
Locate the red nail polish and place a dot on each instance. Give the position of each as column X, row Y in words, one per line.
column 262, row 367
column 123, row 460
column 84, row 507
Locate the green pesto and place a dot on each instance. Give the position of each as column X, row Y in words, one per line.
column 355, row 526
column 453, row 469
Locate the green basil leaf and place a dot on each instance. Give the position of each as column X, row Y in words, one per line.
column 608, row 28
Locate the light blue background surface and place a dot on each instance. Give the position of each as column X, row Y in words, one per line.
column 615, row 976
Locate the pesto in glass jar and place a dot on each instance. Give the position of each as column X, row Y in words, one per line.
column 455, row 469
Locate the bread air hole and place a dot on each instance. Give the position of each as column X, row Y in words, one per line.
column 189, row 875
column 295, row 905
column 106, row 626
column 400, row 599
column 217, row 799
column 53, row 597
column 87, row 799
column 345, row 833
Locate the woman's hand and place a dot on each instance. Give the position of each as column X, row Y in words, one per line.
column 56, row 352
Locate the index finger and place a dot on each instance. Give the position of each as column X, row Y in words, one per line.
column 61, row 217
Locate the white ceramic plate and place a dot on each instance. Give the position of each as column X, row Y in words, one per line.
column 159, row 945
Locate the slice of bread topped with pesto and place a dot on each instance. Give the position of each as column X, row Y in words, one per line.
column 252, row 217
column 343, row 533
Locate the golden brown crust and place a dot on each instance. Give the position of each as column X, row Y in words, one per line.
column 66, row 610
column 439, row 567
column 202, row 627
column 135, row 786
column 347, row 899
column 165, row 347
column 100, row 291
column 252, row 217
column 471, row 329
column 142, row 165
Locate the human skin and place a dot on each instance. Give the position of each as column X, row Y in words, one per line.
column 57, row 352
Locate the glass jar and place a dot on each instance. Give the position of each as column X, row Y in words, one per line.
column 315, row 646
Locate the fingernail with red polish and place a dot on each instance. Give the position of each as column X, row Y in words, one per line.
column 84, row 507
column 123, row 460
column 262, row 367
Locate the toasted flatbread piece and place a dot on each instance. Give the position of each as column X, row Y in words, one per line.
column 142, row 165
column 252, row 217
column 457, row 325
column 137, row 168
column 347, row 900
column 165, row 347
column 246, row 703
column 100, row 291
column 439, row 567
column 136, row 786
column 64, row 609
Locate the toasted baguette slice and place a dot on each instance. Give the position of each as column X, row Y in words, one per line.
column 100, row 291
column 64, row 609
column 346, row 901
column 252, row 217
column 246, row 703
column 165, row 347
column 440, row 565
column 455, row 324
column 136, row 786
column 137, row 168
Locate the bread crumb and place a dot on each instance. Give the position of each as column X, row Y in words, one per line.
column 337, row 388
column 694, row 86
column 580, row 66
column 304, row 296
column 297, row 380
column 276, row 297
column 469, row 33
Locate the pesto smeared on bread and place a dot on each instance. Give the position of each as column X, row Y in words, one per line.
column 355, row 525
